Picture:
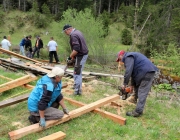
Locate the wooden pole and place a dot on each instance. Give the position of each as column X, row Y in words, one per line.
column 16, row 134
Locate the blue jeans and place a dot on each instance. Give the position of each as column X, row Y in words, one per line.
column 79, row 66
column 22, row 50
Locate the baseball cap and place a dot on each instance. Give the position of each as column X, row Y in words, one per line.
column 38, row 36
column 66, row 27
column 120, row 53
column 56, row 71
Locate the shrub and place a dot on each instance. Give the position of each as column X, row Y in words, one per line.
column 126, row 37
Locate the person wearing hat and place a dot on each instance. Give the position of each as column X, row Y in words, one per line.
column 79, row 53
column 141, row 71
column 38, row 45
column 5, row 43
column 45, row 98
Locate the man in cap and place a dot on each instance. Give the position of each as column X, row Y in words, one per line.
column 79, row 53
column 38, row 45
column 5, row 43
column 45, row 98
column 142, row 71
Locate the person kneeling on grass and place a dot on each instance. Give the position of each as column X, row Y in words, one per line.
column 45, row 98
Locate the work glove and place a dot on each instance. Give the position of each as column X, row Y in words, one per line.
column 65, row 111
column 68, row 59
column 42, row 122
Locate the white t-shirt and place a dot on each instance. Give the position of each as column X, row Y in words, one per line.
column 52, row 45
column 5, row 44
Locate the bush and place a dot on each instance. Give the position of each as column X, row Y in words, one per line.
column 126, row 37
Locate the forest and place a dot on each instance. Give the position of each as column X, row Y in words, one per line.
column 155, row 23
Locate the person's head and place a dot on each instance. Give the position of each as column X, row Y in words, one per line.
column 120, row 55
column 51, row 38
column 29, row 37
column 38, row 37
column 67, row 29
column 56, row 73
column 5, row 37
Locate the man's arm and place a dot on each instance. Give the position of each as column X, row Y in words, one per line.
column 45, row 99
column 73, row 54
column 129, row 65
column 9, row 44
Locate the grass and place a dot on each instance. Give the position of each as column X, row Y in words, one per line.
column 160, row 119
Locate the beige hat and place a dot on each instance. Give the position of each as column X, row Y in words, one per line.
column 56, row 71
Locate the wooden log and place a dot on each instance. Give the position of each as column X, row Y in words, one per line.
column 108, row 75
column 18, row 55
column 16, row 134
column 18, row 82
column 25, row 85
column 55, row 136
column 19, row 99
column 117, row 119
column 14, row 100
column 35, row 69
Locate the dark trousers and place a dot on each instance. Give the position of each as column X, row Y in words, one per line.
column 36, row 49
column 142, row 90
column 51, row 53
column 50, row 113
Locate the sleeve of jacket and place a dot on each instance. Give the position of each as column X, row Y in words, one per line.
column 45, row 98
column 42, row 43
column 75, row 43
column 129, row 64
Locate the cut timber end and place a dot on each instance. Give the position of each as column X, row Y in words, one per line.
column 16, row 134
column 55, row 136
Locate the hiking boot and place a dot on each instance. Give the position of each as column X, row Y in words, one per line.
column 133, row 114
column 77, row 93
column 32, row 119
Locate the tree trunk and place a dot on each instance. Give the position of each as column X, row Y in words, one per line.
column 109, row 7
column 24, row 5
column 4, row 5
column 95, row 7
column 19, row 5
column 99, row 7
column 169, row 15
column 135, row 28
column 117, row 8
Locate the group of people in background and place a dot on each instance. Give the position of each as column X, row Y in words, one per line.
column 27, row 50
column 26, row 46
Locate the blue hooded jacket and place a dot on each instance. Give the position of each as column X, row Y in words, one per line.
column 37, row 92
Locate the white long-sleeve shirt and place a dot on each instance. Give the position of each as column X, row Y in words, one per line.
column 5, row 44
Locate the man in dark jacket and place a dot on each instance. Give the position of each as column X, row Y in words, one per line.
column 45, row 98
column 141, row 71
column 28, row 47
column 79, row 53
column 22, row 43
column 38, row 46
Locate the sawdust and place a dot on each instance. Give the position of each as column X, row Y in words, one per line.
column 86, row 88
column 17, row 124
